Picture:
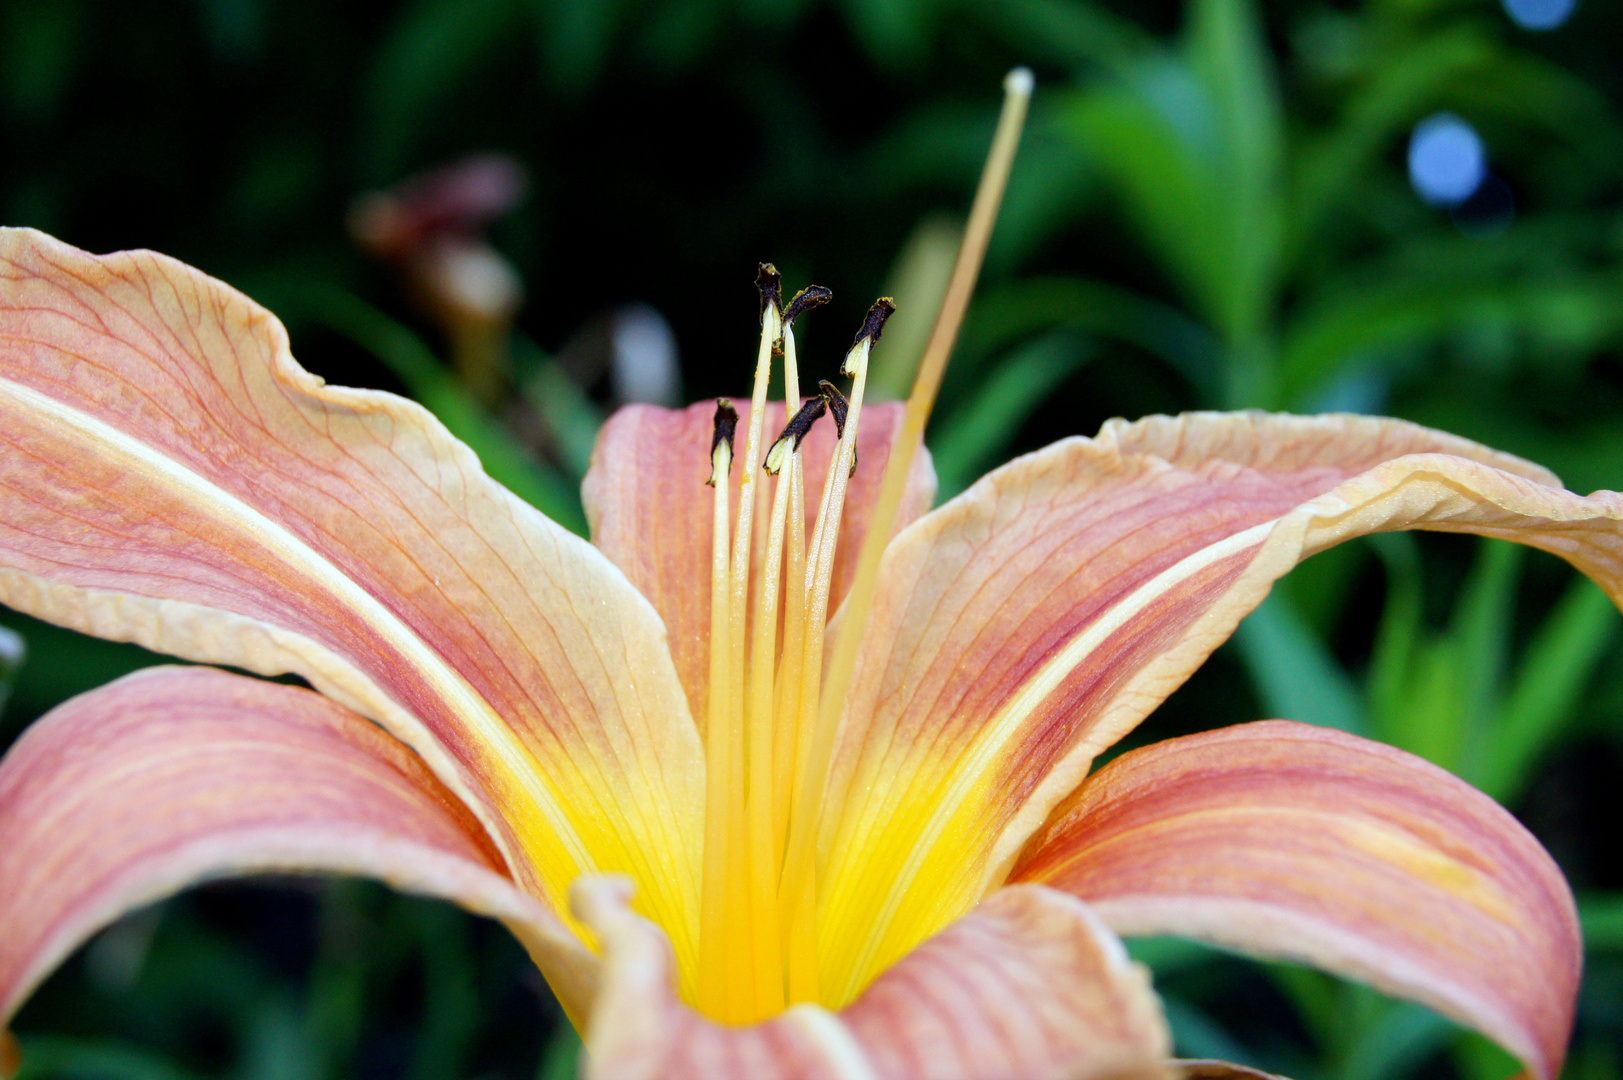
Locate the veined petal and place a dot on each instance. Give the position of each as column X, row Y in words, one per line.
column 173, row 776
column 169, row 475
column 1029, row 985
column 1295, row 841
column 650, row 514
column 1029, row 623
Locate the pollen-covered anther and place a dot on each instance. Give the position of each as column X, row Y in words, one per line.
column 839, row 406
column 770, row 284
column 795, row 431
column 721, row 442
column 811, row 296
column 872, row 326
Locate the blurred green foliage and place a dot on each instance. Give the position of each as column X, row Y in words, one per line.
column 1210, row 209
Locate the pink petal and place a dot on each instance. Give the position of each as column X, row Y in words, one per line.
column 1027, row 625
column 173, row 776
column 650, row 511
column 1296, row 841
column 1029, row 985
column 169, row 475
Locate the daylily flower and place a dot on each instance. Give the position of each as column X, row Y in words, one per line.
column 731, row 851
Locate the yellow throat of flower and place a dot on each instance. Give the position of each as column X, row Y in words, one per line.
column 775, row 698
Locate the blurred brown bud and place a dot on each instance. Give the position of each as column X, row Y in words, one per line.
column 458, row 200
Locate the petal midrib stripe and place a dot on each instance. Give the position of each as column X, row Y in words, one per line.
column 1004, row 727
column 495, row 737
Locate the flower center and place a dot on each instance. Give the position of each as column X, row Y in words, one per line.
column 767, row 746
column 773, row 711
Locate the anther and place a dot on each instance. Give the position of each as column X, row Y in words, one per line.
column 810, row 297
column 795, row 430
column 770, row 283
column 839, row 406
column 721, row 442
column 883, row 308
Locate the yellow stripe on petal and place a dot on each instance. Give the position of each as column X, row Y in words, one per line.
column 169, row 475
column 1294, row 841
column 1025, row 626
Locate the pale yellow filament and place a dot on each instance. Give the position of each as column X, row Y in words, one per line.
column 772, row 718
column 714, row 961
column 799, row 866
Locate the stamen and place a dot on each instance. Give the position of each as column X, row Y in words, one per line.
column 839, row 406
column 795, row 430
column 715, row 960
column 721, row 456
column 799, row 873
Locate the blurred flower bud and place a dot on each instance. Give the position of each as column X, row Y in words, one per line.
column 431, row 228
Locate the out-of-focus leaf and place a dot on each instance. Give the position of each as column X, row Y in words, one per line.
column 561, row 1058
column 1397, row 1044
column 1356, row 323
column 1481, row 627
column 1478, row 1058
column 59, row 1058
column 1003, row 316
column 1169, row 955
column 13, row 651
column 433, row 385
column 1397, row 92
column 276, row 1045
column 969, row 441
column 575, row 39
column 1558, row 664
column 432, row 48
column 1196, row 1035
column 892, row 31
column 1068, row 33
column 451, row 996
column 571, row 417
column 1230, row 57
column 1293, row 672
column 1051, row 187
column 1601, row 916
column 917, row 281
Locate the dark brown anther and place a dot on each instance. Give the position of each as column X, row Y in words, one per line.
column 770, row 284
column 883, row 308
column 810, row 297
column 793, row 432
column 839, row 406
column 726, row 425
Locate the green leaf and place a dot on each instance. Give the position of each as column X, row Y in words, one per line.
column 973, row 437
column 1396, row 1044
column 506, row 460
column 1293, row 672
column 571, row 417
column 1558, row 664
column 1481, row 629
column 1068, row 33
column 561, row 1058
column 1601, row 916
column 433, row 47
column 58, row 1058
column 1003, row 316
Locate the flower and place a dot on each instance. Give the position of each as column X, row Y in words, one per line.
column 172, row 477
column 731, row 850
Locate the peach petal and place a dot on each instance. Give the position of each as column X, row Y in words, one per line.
column 169, row 475
column 650, row 512
column 1028, row 624
column 1029, row 985
column 1289, row 840
column 173, row 776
